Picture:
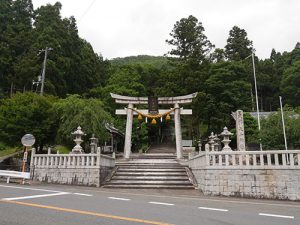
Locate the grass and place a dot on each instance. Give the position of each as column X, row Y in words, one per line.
column 62, row 149
column 9, row 150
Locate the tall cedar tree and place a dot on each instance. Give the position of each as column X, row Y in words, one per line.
column 189, row 40
column 238, row 45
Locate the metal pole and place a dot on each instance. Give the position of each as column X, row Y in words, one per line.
column 255, row 86
column 283, row 125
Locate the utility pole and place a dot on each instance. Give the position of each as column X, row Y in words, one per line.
column 44, row 68
column 255, row 86
column 283, row 125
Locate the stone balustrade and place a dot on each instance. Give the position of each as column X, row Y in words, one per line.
column 66, row 161
column 248, row 159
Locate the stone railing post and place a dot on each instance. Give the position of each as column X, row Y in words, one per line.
column 32, row 158
column 98, row 157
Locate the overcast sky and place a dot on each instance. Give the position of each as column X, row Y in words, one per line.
column 118, row 28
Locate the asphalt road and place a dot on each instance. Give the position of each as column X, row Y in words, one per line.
column 69, row 205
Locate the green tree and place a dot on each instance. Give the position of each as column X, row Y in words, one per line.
column 226, row 91
column 27, row 113
column 15, row 39
column 238, row 45
column 218, row 55
column 251, row 129
column 290, row 84
column 189, row 40
column 75, row 111
column 272, row 133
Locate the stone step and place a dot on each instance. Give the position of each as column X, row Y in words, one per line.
column 150, row 173
column 153, row 157
column 155, row 182
column 134, row 186
column 172, row 163
column 117, row 177
column 150, row 170
column 151, row 167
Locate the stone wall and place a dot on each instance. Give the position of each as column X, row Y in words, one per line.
column 256, row 174
column 74, row 169
column 74, row 176
column 256, row 183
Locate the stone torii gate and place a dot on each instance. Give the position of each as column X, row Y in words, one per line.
column 129, row 111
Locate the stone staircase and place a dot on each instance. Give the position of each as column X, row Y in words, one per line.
column 150, row 171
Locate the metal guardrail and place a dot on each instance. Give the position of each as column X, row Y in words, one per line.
column 14, row 174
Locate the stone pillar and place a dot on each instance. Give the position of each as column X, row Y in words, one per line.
column 178, row 131
column 240, row 131
column 127, row 145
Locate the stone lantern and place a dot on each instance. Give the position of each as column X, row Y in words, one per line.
column 217, row 144
column 78, row 134
column 226, row 135
column 211, row 141
column 93, row 144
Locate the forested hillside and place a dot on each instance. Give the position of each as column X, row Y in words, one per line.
column 78, row 80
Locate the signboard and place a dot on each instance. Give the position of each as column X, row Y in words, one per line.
column 25, row 156
column 153, row 105
column 28, row 140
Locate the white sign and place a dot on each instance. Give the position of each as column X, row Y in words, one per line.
column 28, row 140
column 25, row 156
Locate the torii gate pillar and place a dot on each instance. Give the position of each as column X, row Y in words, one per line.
column 128, row 134
column 178, row 131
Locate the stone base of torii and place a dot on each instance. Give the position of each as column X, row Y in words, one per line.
column 130, row 112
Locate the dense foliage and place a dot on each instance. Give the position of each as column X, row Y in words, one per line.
column 87, row 113
column 223, row 79
column 72, row 66
column 272, row 130
column 27, row 113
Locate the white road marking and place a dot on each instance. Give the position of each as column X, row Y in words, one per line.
column 160, row 203
column 199, row 198
column 35, row 196
column 214, row 209
column 26, row 188
column 274, row 215
column 82, row 194
column 122, row 199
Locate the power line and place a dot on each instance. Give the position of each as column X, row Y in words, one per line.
column 86, row 11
